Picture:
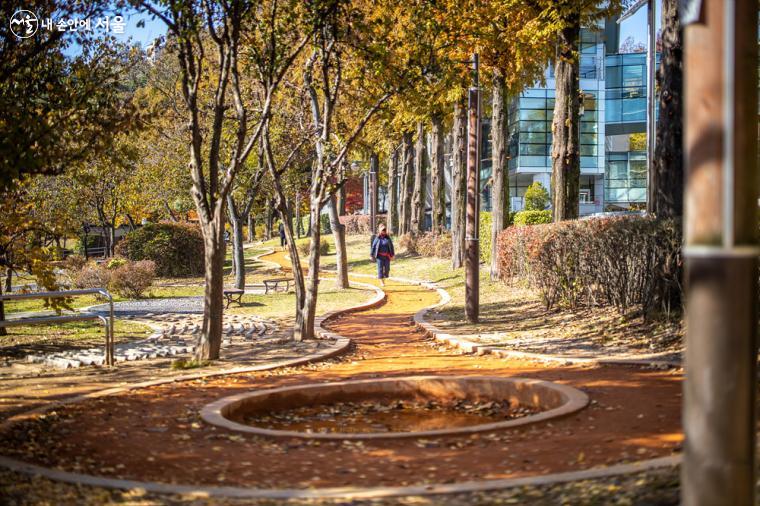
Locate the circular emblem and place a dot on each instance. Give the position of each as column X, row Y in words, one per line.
column 24, row 24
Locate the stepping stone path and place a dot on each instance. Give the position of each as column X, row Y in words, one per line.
column 174, row 334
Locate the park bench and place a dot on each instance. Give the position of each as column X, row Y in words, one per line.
column 274, row 283
column 233, row 295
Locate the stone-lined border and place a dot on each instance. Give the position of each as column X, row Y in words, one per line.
column 349, row 493
column 541, row 392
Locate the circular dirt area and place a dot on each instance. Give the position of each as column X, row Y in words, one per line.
column 416, row 406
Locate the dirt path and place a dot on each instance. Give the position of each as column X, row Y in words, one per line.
column 155, row 434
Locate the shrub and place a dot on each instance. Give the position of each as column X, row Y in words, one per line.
column 623, row 262
column 176, row 248
column 132, row 279
column 484, row 229
column 358, row 224
column 92, row 275
column 427, row 244
column 74, row 263
column 407, row 243
column 532, row 217
column 304, row 247
column 116, row 262
column 536, row 197
column 430, row 244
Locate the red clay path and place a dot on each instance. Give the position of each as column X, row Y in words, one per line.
column 155, row 434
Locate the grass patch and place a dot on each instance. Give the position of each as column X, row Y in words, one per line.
column 39, row 339
column 182, row 364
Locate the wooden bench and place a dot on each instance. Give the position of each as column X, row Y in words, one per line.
column 233, row 295
column 274, row 283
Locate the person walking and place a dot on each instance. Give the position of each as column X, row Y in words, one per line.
column 283, row 241
column 382, row 253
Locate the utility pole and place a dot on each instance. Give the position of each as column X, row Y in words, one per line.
column 721, row 204
column 373, row 163
column 472, row 244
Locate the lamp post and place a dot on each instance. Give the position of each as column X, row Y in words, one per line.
column 472, row 240
column 373, row 163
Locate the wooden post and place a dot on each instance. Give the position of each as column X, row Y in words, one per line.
column 472, row 245
column 720, row 147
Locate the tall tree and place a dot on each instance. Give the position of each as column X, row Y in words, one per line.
column 220, row 143
column 437, row 174
column 668, row 177
column 566, row 161
column 419, row 198
column 60, row 104
column 458, row 185
column 407, row 184
column 500, row 169
column 392, row 207
column 565, row 18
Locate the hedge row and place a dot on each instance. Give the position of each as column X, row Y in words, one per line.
column 533, row 217
column 427, row 244
column 625, row 262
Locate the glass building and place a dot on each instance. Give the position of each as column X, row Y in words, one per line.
column 612, row 129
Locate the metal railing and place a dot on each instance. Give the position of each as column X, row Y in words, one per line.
column 35, row 320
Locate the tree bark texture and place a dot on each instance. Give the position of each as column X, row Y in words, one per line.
column 407, row 185
column 339, row 235
column 500, row 185
column 668, row 177
column 3, row 332
column 458, row 185
column 306, row 328
column 437, row 176
column 393, row 193
column 420, row 181
column 269, row 220
column 251, row 227
column 566, row 166
column 210, row 339
column 342, row 192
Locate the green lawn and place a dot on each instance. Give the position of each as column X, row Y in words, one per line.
column 39, row 339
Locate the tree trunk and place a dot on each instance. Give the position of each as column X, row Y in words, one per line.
column 668, row 177
column 210, row 340
column 251, row 227
column 339, row 235
column 437, row 176
column 169, row 211
column 420, row 181
column 393, row 193
column 342, row 191
column 305, row 328
column 238, row 259
column 131, row 222
column 3, row 332
column 500, row 187
column 458, row 186
column 269, row 220
column 299, row 225
column 407, row 185
column 566, row 167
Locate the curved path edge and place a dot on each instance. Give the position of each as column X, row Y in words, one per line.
column 338, row 492
column 328, row 492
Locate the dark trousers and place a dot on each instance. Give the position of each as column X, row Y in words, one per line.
column 383, row 267
column 283, row 241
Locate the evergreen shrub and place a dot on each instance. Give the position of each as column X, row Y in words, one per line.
column 175, row 248
column 532, row 217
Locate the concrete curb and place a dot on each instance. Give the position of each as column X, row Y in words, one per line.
column 555, row 399
column 339, row 492
column 469, row 346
